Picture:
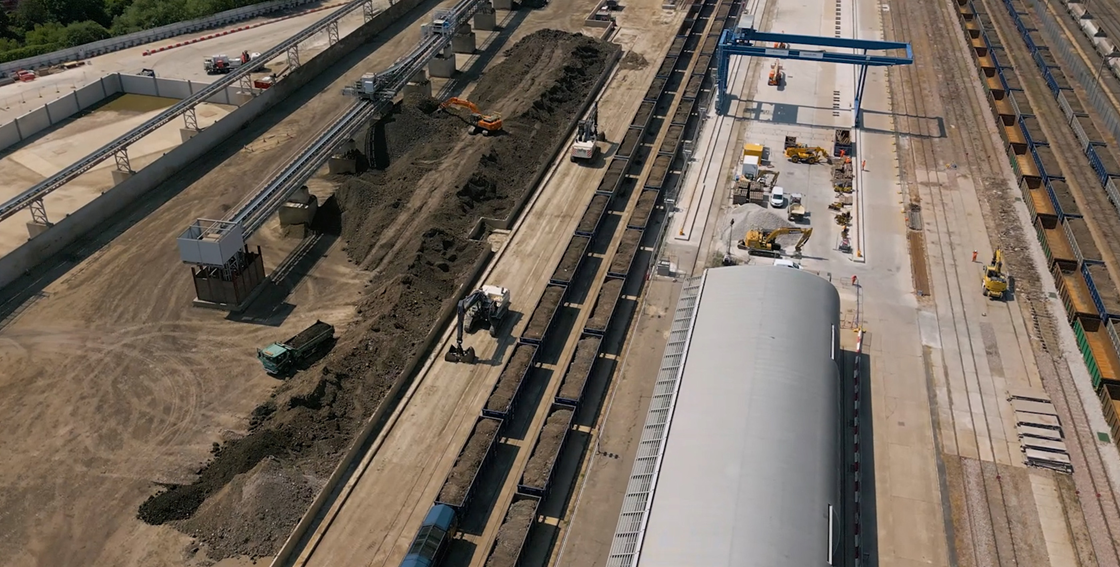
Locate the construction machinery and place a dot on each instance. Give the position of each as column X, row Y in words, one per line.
column 994, row 281
column 486, row 306
column 587, row 136
column 844, row 218
column 765, row 242
column 796, row 211
column 148, row 73
column 222, row 64
column 805, row 154
column 281, row 358
column 486, row 123
column 777, row 75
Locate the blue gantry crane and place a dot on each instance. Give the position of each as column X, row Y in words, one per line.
column 745, row 40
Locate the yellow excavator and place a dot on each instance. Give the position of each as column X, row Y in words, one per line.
column 993, row 279
column 803, row 154
column 486, row 123
column 765, row 242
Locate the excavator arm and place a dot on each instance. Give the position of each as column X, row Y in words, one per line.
column 457, row 353
column 780, row 232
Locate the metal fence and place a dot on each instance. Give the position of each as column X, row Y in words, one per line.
column 147, row 36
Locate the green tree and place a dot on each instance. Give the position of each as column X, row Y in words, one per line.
column 78, row 33
column 46, row 34
column 31, row 12
column 114, row 8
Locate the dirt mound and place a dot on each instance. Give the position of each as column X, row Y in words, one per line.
column 409, row 221
column 268, row 497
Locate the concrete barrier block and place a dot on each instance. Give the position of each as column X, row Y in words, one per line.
column 463, row 43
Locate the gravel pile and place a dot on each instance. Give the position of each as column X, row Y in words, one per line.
column 407, row 222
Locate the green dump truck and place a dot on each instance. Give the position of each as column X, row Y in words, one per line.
column 281, row 358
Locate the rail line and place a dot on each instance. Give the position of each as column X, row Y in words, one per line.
column 989, row 518
column 119, row 145
column 1086, row 477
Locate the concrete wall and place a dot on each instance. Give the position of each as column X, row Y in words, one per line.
column 64, row 108
column 142, row 37
column 113, row 201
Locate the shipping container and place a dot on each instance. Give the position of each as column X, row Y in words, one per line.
column 1081, row 240
column 1110, row 405
column 1102, row 290
column 1073, row 292
column 1055, row 243
column 1098, row 350
column 1063, row 199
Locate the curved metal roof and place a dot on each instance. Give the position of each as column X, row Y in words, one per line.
column 750, row 465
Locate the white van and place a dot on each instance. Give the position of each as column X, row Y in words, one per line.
column 787, row 264
column 777, row 198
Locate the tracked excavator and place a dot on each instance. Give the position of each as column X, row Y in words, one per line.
column 765, row 242
column 484, row 123
column 486, row 306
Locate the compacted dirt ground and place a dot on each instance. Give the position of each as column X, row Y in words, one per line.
column 408, row 226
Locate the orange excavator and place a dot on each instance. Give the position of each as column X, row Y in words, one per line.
column 486, row 123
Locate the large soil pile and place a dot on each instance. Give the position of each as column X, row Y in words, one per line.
column 408, row 223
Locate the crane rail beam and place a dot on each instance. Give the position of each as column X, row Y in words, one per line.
column 45, row 187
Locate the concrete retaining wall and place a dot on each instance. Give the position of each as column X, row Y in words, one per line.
column 147, row 36
column 64, row 108
column 111, row 202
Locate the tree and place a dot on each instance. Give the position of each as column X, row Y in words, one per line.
column 46, row 34
column 78, row 33
column 31, row 12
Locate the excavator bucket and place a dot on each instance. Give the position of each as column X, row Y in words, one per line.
column 466, row 356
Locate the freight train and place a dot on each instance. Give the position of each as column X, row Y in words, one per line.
column 431, row 541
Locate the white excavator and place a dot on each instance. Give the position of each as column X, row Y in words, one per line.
column 486, row 306
column 587, row 135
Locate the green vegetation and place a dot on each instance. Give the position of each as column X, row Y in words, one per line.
column 41, row 26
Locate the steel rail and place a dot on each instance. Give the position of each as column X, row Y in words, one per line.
column 87, row 163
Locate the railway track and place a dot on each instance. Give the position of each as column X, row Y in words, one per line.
column 986, row 514
column 1102, row 514
column 986, row 522
column 567, row 329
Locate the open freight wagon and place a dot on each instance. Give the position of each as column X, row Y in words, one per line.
column 473, row 460
column 537, row 477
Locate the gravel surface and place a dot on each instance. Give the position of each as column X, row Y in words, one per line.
column 539, row 467
column 604, row 305
column 468, row 463
column 566, row 270
column 511, row 535
column 512, row 377
column 542, row 315
column 407, row 224
column 627, row 249
column 586, row 351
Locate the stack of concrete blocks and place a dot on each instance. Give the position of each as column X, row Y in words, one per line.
column 419, row 85
column 297, row 214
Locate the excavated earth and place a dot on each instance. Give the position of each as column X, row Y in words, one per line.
column 539, row 468
column 511, row 535
column 408, row 225
column 466, row 467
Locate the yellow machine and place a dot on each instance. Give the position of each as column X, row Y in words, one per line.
column 480, row 122
column 777, row 75
column 802, row 154
column 993, row 279
column 764, row 242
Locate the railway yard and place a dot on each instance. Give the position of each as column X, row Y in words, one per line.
column 128, row 401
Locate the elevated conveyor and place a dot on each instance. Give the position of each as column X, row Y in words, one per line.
column 119, row 147
column 217, row 247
